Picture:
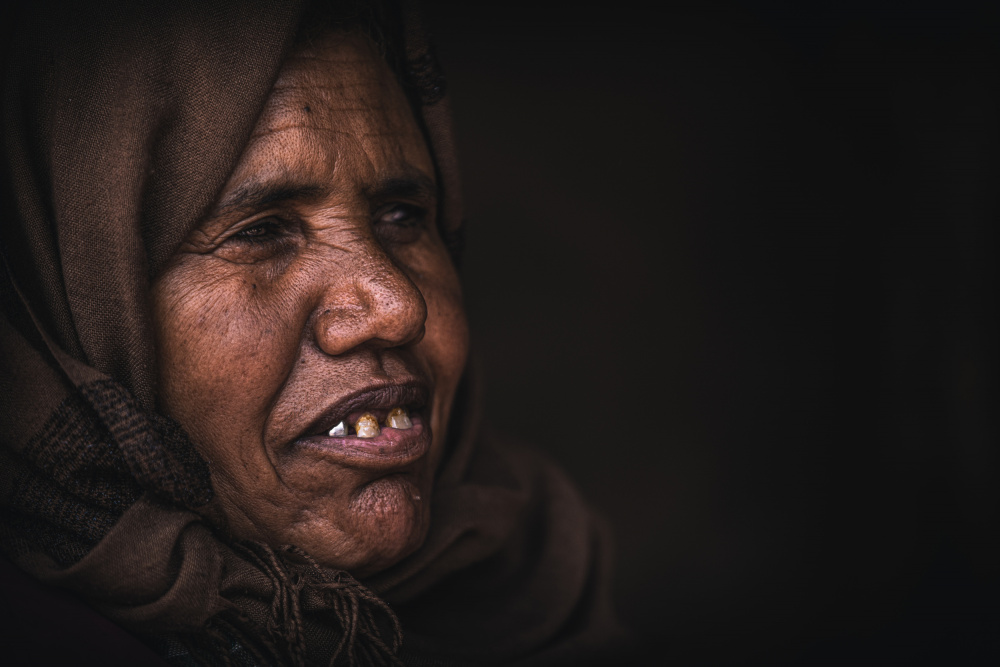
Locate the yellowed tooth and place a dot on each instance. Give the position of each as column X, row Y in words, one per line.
column 398, row 419
column 367, row 426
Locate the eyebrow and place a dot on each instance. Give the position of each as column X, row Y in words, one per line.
column 415, row 185
column 255, row 196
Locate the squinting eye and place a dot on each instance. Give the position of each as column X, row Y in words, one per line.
column 264, row 230
column 403, row 214
column 400, row 223
column 264, row 239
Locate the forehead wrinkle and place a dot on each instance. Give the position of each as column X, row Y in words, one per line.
column 271, row 148
column 302, row 61
column 358, row 132
column 348, row 72
column 282, row 86
column 322, row 59
column 291, row 127
column 330, row 47
column 334, row 111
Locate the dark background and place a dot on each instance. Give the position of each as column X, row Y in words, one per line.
column 733, row 266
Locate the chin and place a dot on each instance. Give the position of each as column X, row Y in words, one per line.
column 386, row 520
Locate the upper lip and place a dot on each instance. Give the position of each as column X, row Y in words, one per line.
column 412, row 394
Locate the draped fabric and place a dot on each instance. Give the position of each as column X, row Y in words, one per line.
column 121, row 124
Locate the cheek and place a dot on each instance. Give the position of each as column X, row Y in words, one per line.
column 445, row 344
column 223, row 347
column 447, row 338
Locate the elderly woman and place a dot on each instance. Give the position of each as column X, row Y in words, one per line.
column 236, row 415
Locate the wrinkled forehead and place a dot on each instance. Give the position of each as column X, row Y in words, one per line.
column 336, row 67
column 336, row 98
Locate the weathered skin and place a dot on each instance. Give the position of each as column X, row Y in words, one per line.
column 269, row 314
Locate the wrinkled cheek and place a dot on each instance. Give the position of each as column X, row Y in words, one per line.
column 223, row 353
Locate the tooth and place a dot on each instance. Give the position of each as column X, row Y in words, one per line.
column 339, row 430
column 398, row 419
column 367, row 426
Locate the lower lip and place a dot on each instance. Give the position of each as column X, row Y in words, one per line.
column 392, row 448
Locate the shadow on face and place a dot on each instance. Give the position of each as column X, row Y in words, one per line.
column 316, row 292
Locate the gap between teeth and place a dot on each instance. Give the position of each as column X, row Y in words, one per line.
column 367, row 425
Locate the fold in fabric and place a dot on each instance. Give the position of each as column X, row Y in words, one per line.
column 121, row 123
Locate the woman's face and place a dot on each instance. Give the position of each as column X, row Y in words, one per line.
column 319, row 290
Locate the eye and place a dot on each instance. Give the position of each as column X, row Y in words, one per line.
column 262, row 231
column 406, row 215
column 400, row 223
column 261, row 240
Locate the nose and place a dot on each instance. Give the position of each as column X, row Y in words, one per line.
column 374, row 304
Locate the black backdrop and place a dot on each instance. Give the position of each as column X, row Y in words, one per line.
column 733, row 266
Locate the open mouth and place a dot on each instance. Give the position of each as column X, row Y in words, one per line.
column 369, row 423
column 382, row 427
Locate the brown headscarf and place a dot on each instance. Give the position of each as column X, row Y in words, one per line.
column 121, row 124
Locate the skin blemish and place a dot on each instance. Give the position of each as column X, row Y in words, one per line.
column 247, row 376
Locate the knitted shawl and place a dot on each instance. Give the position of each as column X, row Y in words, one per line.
column 121, row 124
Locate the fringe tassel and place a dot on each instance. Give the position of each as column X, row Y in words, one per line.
column 343, row 603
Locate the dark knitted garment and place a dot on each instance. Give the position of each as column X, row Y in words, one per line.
column 89, row 463
column 71, row 483
column 92, row 461
column 122, row 122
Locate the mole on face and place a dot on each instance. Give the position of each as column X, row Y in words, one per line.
column 355, row 296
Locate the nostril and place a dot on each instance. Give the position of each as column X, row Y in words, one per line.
column 380, row 309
